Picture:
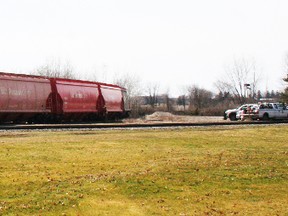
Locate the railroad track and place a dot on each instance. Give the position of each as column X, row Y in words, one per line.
column 130, row 125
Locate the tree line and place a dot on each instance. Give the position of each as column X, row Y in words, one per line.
column 238, row 85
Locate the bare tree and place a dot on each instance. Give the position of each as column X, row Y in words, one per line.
column 168, row 101
column 55, row 68
column 199, row 97
column 240, row 80
column 181, row 101
column 284, row 95
column 153, row 91
column 133, row 90
column 131, row 83
column 103, row 74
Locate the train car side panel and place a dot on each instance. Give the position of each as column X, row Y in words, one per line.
column 114, row 102
column 21, row 97
column 78, row 97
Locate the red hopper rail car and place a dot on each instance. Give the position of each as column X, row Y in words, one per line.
column 27, row 98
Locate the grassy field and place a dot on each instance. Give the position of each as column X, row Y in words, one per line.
column 198, row 171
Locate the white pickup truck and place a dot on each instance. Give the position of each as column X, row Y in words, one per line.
column 272, row 111
column 268, row 111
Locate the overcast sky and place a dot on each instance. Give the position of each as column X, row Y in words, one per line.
column 172, row 42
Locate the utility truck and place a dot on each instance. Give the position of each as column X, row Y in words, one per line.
column 236, row 114
column 267, row 111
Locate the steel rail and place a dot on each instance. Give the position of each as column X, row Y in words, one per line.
column 131, row 125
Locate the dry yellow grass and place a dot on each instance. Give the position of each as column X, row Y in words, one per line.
column 198, row 171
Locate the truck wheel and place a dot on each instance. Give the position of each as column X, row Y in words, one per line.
column 266, row 116
column 232, row 117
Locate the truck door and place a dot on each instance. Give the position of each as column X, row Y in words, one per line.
column 282, row 112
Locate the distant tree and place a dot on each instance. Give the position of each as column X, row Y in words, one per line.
column 273, row 94
column 267, row 94
column 239, row 80
column 259, row 95
column 221, row 102
column 182, row 101
column 284, row 95
column 222, row 97
column 131, row 83
column 153, row 91
column 199, row 98
column 278, row 95
column 133, row 88
column 103, row 74
column 168, row 102
column 55, row 68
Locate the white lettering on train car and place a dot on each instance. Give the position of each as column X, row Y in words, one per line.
column 14, row 92
column 78, row 95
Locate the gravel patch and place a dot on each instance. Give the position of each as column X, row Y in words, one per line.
column 168, row 117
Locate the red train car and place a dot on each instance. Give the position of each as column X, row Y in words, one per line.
column 23, row 97
column 114, row 100
column 41, row 99
column 84, row 100
column 76, row 99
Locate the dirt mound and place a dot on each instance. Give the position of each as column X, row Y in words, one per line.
column 159, row 116
column 169, row 117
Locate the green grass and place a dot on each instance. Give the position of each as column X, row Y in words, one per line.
column 214, row 171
